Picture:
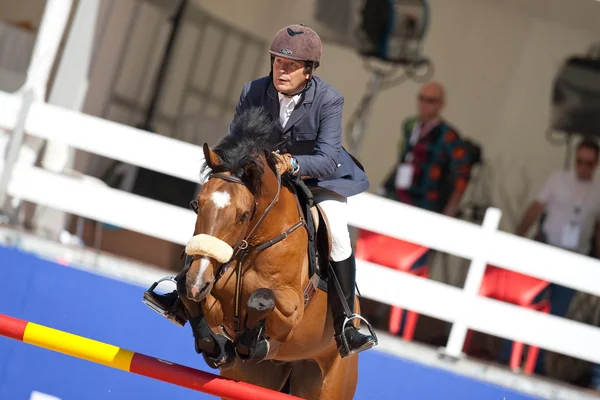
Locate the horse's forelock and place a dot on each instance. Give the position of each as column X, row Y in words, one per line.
column 245, row 151
column 249, row 169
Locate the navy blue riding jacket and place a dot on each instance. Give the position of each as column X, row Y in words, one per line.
column 313, row 134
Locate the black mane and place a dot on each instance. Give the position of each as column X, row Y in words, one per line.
column 253, row 133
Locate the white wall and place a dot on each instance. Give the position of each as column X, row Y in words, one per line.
column 17, row 43
column 22, row 10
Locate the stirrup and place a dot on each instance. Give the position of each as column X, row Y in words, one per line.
column 346, row 347
column 154, row 305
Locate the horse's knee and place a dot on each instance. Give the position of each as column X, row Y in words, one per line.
column 252, row 345
column 224, row 357
column 260, row 304
column 206, row 345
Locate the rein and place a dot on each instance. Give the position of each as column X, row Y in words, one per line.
column 242, row 248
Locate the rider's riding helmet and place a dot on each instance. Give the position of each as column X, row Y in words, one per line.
column 297, row 42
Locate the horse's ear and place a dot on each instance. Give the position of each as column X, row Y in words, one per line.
column 251, row 175
column 212, row 159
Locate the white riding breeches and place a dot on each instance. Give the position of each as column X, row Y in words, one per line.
column 335, row 208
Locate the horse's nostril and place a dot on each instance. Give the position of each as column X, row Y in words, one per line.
column 197, row 290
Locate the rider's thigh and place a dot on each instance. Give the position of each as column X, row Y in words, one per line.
column 335, row 208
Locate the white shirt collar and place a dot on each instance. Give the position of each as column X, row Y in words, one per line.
column 292, row 100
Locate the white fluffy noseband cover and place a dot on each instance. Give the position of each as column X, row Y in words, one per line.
column 210, row 246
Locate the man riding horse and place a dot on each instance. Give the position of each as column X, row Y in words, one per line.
column 308, row 113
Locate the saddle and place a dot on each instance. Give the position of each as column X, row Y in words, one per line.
column 319, row 238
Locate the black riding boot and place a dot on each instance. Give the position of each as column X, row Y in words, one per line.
column 355, row 342
column 168, row 305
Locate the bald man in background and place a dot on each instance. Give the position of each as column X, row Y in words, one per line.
column 433, row 167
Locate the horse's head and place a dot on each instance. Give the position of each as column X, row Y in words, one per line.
column 229, row 203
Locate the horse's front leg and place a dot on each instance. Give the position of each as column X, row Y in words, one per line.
column 252, row 345
column 216, row 349
column 281, row 311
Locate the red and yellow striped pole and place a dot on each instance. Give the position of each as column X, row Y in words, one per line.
column 126, row 360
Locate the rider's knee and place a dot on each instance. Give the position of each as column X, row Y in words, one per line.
column 340, row 253
column 336, row 209
column 341, row 245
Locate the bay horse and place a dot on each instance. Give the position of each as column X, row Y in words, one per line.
column 250, row 275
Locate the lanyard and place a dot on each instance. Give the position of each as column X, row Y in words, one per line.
column 419, row 130
column 414, row 135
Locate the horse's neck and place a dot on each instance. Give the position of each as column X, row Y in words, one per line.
column 281, row 217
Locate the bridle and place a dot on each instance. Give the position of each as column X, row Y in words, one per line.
column 242, row 248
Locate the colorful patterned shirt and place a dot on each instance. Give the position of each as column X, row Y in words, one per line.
column 441, row 165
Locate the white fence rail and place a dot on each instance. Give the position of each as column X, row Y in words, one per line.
column 367, row 211
column 465, row 239
column 462, row 307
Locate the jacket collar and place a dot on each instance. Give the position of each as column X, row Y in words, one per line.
column 304, row 104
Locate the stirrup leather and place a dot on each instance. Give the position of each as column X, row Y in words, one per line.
column 346, row 351
column 154, row 305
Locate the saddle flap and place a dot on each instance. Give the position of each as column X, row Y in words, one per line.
column 315, row 215
column 322, row 229
column 320, row 244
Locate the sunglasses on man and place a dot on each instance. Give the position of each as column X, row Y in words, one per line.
column 428, row 100
column 585, row 163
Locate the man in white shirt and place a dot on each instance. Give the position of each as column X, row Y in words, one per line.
column 569, row 200
column 571, row 203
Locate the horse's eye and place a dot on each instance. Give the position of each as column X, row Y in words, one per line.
column 244, row 217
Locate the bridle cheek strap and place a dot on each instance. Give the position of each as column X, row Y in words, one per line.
column 209, row 246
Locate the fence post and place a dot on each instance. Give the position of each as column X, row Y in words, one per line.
column 14, row 146
column 68, row 90
column 56, row 14
column 458, row 333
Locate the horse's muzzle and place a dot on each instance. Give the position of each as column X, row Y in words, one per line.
column 200, row 276
column 196, row 292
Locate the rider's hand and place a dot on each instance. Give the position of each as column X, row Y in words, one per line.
column 283, row 163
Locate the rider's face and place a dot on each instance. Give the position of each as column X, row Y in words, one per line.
column 288, row 75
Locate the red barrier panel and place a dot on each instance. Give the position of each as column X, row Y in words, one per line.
column 126, row 360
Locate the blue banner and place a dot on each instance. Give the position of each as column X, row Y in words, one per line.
column 110, row 311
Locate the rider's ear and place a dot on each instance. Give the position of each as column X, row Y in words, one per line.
column 212, row 159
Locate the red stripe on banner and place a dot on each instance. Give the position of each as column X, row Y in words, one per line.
column 12, row 327
column 201, row 381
